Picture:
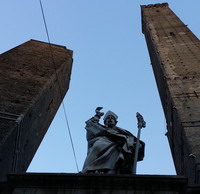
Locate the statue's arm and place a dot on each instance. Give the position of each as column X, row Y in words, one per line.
column 123, row 137
column 116, row 136
column 97, row 115
column 93, row 127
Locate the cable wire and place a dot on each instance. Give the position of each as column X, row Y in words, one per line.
column 63, row 105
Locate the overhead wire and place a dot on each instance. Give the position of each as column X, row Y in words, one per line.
column 63, row 105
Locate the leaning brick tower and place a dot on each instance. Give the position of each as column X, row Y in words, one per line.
column 175, row 56
column 35, row 77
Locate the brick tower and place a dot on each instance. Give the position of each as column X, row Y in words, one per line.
column 175, row 56
column 30, row 97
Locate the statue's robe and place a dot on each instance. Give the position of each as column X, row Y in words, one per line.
column 110, row 150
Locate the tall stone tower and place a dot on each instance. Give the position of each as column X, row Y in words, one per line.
column 34, row 79
column 175, row 56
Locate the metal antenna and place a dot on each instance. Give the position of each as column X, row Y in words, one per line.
column 141, row 124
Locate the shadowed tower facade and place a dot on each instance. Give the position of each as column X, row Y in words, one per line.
column 175, row 56
column 34, row 80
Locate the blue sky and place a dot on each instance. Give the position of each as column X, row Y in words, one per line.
column 111, row 69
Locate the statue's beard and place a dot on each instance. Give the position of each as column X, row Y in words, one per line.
column 110, row 124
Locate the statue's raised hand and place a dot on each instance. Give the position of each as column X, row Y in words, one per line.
column 98, row 113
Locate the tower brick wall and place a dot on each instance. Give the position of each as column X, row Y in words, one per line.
column 30, row 97
column 175, row 56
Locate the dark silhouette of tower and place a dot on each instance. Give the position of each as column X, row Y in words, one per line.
column 175, row 56
column 34, row 79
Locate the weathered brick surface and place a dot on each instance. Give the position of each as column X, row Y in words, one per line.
column 175, row 55
column 30, row 97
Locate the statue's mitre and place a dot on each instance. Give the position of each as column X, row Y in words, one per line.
column 110, row 113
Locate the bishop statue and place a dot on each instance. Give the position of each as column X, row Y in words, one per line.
column 110, row 148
